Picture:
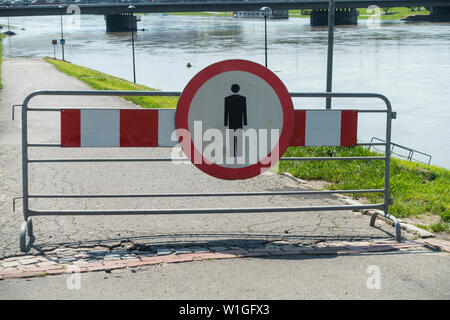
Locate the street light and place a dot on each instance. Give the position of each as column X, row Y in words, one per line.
column 132, row 41
column 266, row 11
column 62, row 31
column 331, row 14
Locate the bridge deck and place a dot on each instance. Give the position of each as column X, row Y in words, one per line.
column 207, row 5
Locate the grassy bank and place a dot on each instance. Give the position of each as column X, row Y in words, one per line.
column 392, row 14
column 101, row 81
column 419, row 191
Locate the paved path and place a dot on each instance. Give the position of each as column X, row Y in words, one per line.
column 403, row 275
column 151, row 233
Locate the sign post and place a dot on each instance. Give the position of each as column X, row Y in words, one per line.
column 235, row 119
column 54, row 43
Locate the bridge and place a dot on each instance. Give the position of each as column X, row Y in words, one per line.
column 119, row 16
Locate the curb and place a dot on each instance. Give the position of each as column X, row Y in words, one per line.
column 408, row 228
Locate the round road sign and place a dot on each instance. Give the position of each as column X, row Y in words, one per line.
column 235, row 119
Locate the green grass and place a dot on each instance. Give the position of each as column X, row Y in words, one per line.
column 394, row 14
column 101, row 81
column 417, row 189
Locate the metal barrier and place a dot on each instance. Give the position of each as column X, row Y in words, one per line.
column 410, row 151
column 28, row 213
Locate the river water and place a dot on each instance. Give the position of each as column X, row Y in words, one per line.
column 407, row 62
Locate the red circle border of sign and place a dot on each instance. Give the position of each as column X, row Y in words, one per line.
column 188, row 94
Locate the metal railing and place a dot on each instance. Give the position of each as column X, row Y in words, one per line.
column 409, row 156
column 28, row 213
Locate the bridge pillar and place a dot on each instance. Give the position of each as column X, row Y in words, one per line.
column 343, row 16
column 440, row 12
column 121, row 22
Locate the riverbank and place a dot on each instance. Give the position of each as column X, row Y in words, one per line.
column 421, row 192
column 101, row 81
column 385, row 14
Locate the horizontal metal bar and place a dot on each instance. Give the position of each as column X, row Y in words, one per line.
column 47, row 109
column 185, row 159
column 199, row 211
column 59, row 109
column 105, row 160
column 371, row 111
column 331, row 158
column 44, row 145
column 59, row 145
column 225, row 194
column 371, row 144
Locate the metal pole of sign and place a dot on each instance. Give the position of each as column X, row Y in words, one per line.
column 62, row 32
column 132, row 42
column 331, row 14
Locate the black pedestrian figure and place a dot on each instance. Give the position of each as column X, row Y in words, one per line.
column 235, row 113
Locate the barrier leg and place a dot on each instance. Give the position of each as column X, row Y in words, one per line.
column 30, row 227
column 398, row 230
column 23, row 236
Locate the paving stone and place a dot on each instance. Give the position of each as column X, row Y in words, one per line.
column 146, row 254
column 280, row 242
column 258, row 250
column 10, row 264
column 120, row 252
column 286, row 247
column 218, row 249
column 29, row 261
column 66, row 260
column 183, row 251
column 163, row 251
column 10, row 259
column 199, row 250
column 30, row 267
column 128, row 256
column 46, row 264
column 112, row 256
column 98, row 252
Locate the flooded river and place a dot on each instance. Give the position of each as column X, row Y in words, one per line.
column 407, row 62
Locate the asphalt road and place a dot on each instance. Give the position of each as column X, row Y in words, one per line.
column 402, row 275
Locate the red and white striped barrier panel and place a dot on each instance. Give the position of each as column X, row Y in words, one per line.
column 117, row 127
column 154, row 128
column 325, row 128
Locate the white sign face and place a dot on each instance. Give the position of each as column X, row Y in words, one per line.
column 235, row 119
column 217, row 113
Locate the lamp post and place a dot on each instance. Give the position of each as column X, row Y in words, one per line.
column 266, row 11
column 132, row 42
column 62, row 31
column 331, row 14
